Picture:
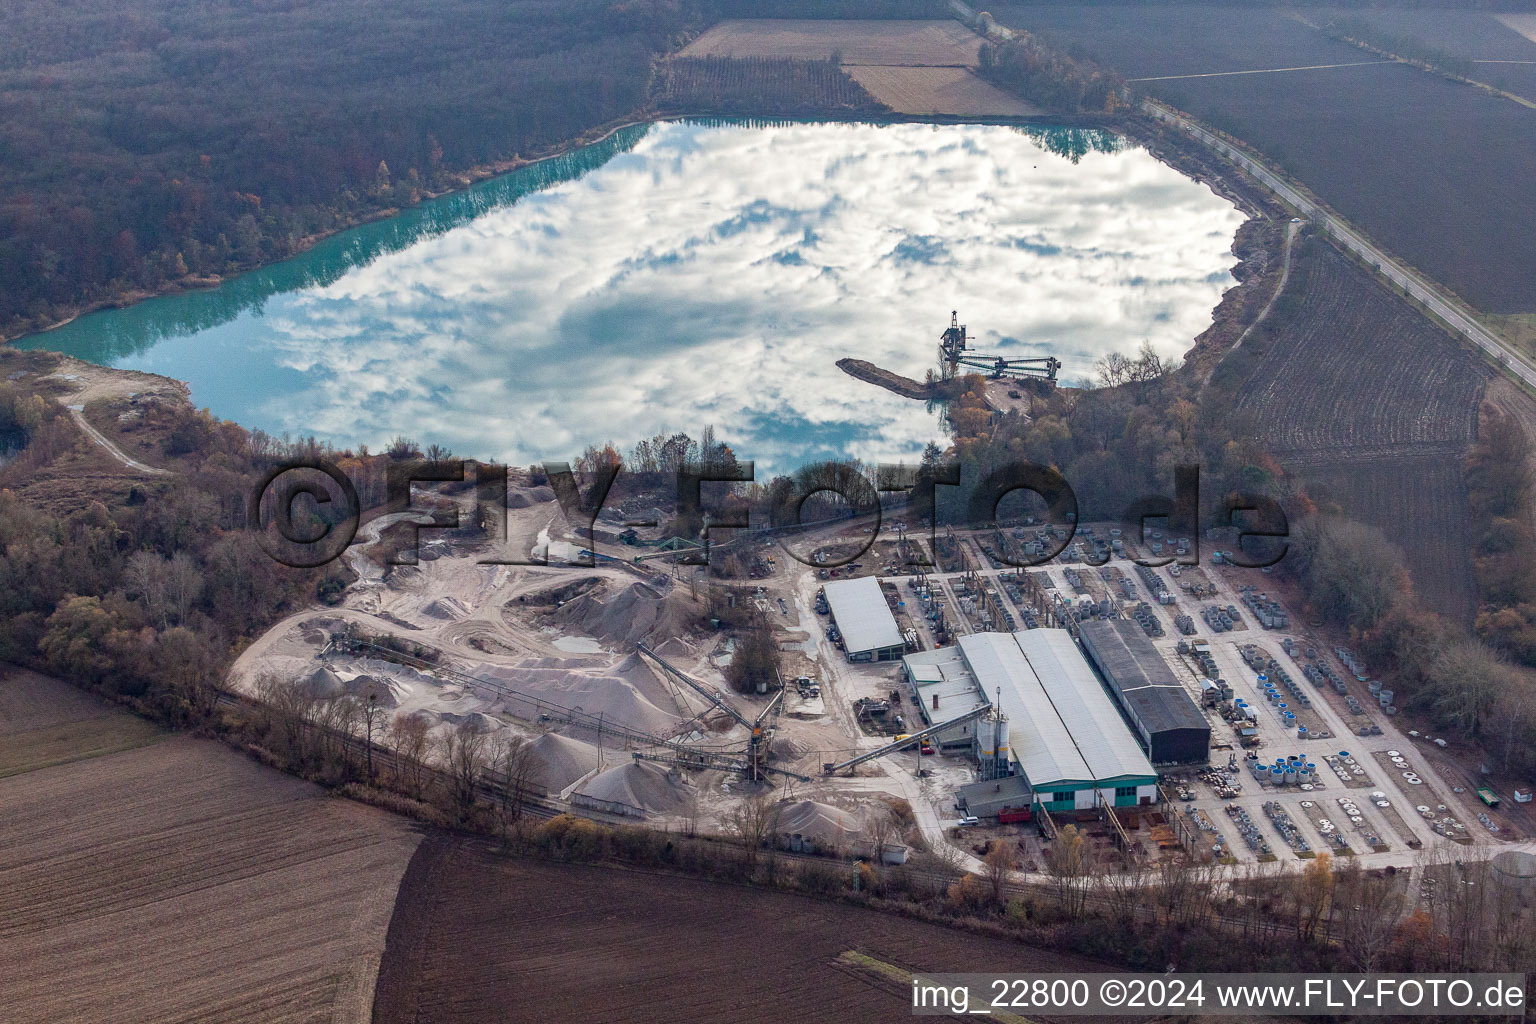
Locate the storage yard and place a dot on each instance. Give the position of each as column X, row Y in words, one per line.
column 1197, row 716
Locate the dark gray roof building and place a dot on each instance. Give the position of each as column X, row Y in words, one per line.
column 1171, row 728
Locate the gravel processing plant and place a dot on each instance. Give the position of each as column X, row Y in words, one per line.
column 1149, row 705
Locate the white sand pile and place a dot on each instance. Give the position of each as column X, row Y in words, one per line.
column 384, row 694
column 525, row 497
column 479, row 721
column 826, row 824
column 637, row 613
column 675, row 647
column 450, row 608
column 560, row 760
column 322, row 683
column 639, row 784
column 593, row 691
column 637, row 672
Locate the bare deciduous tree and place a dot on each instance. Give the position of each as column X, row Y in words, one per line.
column 408, row 742
column 462, row 751
column 753, row 824
column 999, row 862
column 1067, row 861
column 513, row 760
column 145, row 577
column 288, row 703
column 1368, row 906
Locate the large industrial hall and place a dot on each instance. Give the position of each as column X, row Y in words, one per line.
column 1065, row 740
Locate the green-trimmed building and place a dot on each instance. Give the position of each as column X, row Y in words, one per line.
column 1064, row 735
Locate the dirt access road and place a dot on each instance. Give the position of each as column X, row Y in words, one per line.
column 82, row 383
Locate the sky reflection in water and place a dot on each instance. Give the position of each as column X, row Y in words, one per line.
column 705, row 273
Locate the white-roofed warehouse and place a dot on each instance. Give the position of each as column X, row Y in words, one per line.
column 864, row 618
column 1065, row 735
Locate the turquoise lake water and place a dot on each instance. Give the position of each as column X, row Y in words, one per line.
column 692, row 273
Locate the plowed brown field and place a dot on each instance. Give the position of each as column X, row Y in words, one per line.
column 912, row 43
column 183, row 882
column 44, row 723
column 953, row 91
column 479, row 939
column 1365, row 397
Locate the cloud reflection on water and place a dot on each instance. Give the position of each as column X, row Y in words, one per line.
column 714, row 274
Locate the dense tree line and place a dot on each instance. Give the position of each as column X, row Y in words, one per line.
column 1501, row 484
column 1050, row 79
column 1356, row 579
column 1116, row 439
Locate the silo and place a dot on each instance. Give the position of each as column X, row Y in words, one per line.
column 1515, row 872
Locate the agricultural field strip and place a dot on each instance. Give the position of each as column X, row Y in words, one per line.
column 596, row 944
column 928, row 90
column 44, row 722
column 291, row 891
column 47, row 746
column 1421, row 506
column 887, row 43
column 1399, row 152
column 1525, row 24
column 1330, row 390
column 1509, row 360
column 33, row 701
column 1386, row 438
column 1470, row 34
column 1156, row 40
column 249, row 844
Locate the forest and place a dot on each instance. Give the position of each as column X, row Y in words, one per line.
column 142, row 588
column 1050, row 79
column 146, row 144
column 156, row 141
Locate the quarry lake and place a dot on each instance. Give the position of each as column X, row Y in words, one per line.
column 693, row 273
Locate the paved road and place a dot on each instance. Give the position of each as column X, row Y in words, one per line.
column 1416, row 286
